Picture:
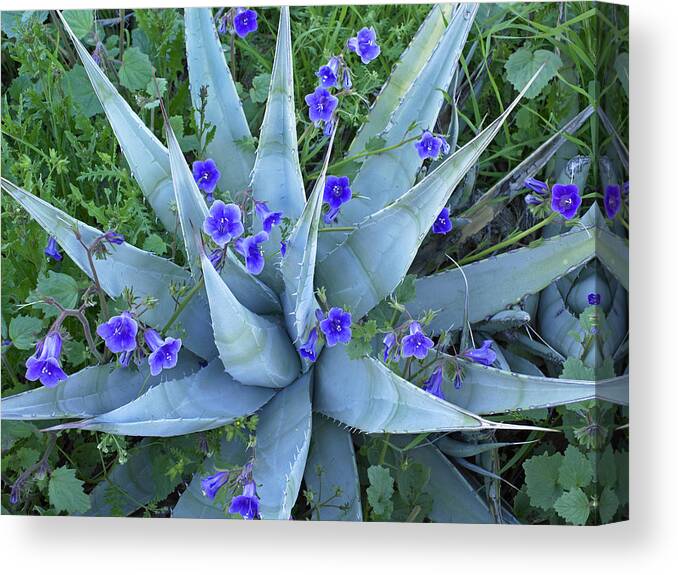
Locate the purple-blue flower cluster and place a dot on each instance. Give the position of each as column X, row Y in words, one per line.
column 434, row 384
column 206, row 175
column 241, row 21
column 337, row 192
column 365, row 45
column 443, row 224
column 430, row 146
column 52, row 249
column 223, row 223
column 484, row 355
column 250, row 248
column 44, row 364
column 612, row 200
column 565, row 198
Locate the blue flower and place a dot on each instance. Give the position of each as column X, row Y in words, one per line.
column 532, row 200
column 430, row 146
column 321, row 105
column 389, row 342
column 365, row 45
column 337, row 192
column 267, row 217
column 536, row 186
column 328, row 73
column 434, row 384
column 216, row 258
column 245, row 21
column 246, row 504
column 307, row 350
column 346, row 80
column 612, row 201
column 483, row 355
column 625, row 188
column 416, row 343
column 336, row 327
column 222, row 29
column 52, row 249
column 594, row 299
column 442, row 225
column 164, row 353
column 113, row 237
column 223, row 223
column 119, row 332
column 457, row 380
column 565, row 199
column 283, row 249
column 44, row 363
column 124, row 357
column 206, row 175
column 251, row 250
column 212, row 483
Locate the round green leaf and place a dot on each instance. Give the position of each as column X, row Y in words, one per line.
column 136, row 70
column 524, row 63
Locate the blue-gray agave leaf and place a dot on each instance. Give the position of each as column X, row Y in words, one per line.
column 91, row 391
column 254, row 349
column 364, row 394
column 523, row 271
column 330, row 469
column 384, row 177
column 230, row 148
column 125, row 267
column 283, row 436
column 455, row 448
column 199, row 402
column 146, row 156
column 375, row 257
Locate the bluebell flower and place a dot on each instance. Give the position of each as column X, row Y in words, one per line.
column 443, row 224
column 565, row 199
column 124, row 358
column 251, row 250
column 164, row 353
column 336, row 326
column 536, row 186
column 328, row 73
column 594, row 299
column 211, row 484
column 457, row 380
column 223, row 223
column 434, row 384
column 329, row 126
column 206, row 175
column 346, row 79
column 321, row 105
column 417, row 343
column 612, row 200
column 223, row 28
column 337, row 192
column 216, row 257
column 429, row 146
column 119, row 333
column 625, row 188
column 389, row 342
column 483, row 355
column 246, row 504
column 533, row 200
column 365, row 45
column 244, row 22
column 52, row 249
column 267, row 217
column 283, row 249
column 114, row 238
column 96, row 54
column 307, row 350
column 44, row 363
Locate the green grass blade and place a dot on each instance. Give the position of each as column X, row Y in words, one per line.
column 331, row 467
column 283, row 437
column 253, row 349
column 207, row 67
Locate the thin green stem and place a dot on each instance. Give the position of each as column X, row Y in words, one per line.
column 184, row 302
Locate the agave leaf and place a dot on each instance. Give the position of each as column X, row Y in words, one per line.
column 207, row 67
column 406, row 71
column 455, row 500
column 253, row 349
column 276, row 177
column 493, row 201
column 125, row 267
column 620, row 147
column 298, row 265
column 376, row 256
column 201, row 401
column 519, row 364
column 331, row 468
column 503, row 320
column 192, row 503
column 145, row 154
column 455, row 448
column 523, row 271
column 384, row 177
column 91, row 391
column 364, row 394
column 488, row 391
column 283, row 436
column 130, row 485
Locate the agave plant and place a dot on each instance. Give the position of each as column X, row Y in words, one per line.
column 244, row 335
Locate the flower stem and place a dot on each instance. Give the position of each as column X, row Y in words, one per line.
column 509, row 241
column 337, row 229
column 184, row 302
